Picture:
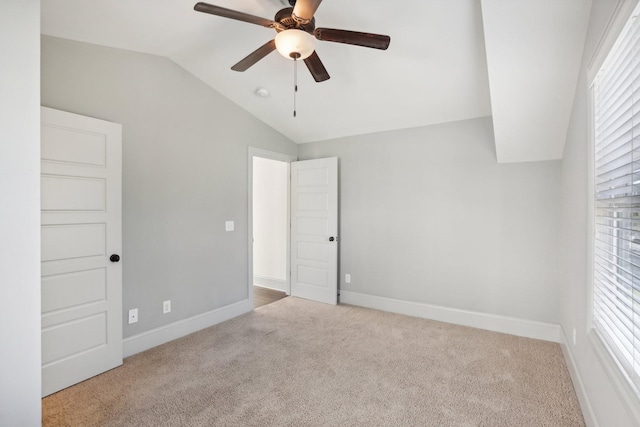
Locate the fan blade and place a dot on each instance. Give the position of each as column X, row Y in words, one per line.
column 305, row 9
column 233, row 14
column 316, row 68
column 255, row 56
column 376, row 41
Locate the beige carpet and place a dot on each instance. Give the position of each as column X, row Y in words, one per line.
column 300, row 363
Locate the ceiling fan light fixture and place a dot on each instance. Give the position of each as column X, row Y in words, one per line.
column 295, row 44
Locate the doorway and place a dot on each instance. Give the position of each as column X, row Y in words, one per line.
column 310, row 229
column 269, row 222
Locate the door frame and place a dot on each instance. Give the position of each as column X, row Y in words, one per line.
column 282, row 157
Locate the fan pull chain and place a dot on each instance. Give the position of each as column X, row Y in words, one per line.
column 295, row 83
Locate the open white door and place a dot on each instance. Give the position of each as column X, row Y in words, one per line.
column 81, row 206
column 314, row 230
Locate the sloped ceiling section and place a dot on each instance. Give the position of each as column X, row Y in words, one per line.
column 534, row 50
column 436, row 69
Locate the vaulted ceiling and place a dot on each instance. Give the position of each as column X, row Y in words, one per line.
column 449, row 60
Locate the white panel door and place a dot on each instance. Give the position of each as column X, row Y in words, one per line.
column 81, row 204
column 314, row 230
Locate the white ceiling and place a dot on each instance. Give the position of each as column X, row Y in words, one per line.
column 436, row 69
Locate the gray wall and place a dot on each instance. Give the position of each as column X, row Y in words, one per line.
column 20, row 213
column 605, row 400
column 427, row 215
column 184, row 174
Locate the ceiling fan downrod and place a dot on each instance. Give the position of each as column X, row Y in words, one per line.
column 295, row 56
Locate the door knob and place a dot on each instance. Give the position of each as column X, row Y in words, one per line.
column 331, row 239
column 114, row 258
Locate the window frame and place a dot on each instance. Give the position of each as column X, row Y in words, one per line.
column 628, row 391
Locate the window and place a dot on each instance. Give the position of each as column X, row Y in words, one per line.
column 616, row 249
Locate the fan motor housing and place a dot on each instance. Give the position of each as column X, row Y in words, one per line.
column 285, row 18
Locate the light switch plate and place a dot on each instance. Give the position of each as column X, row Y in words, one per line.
column 229, row 226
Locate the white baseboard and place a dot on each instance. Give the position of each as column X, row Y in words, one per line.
column 578, row 385
column 155, row 337
column 270, row 283
column 491, row 322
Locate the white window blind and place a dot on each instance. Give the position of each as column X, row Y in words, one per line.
column 616, row 271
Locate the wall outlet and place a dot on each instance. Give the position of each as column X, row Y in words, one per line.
column 166, row 306
column 133, row 315
column 229, row 225
column 574, row 336
column 347, row 278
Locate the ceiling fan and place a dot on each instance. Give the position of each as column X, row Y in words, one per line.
column 296, row 35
